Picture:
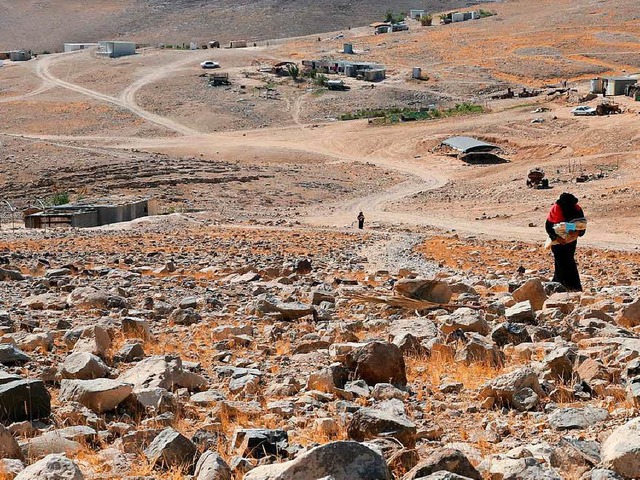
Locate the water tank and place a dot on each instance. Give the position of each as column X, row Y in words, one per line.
column 417, row 73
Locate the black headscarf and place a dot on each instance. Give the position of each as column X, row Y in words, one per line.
column 569, row 205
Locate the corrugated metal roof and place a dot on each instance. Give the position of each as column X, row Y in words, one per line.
column 467, row 144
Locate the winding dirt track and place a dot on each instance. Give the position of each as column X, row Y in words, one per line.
column 126, row 101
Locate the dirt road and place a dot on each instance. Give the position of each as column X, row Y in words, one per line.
column 126, row 101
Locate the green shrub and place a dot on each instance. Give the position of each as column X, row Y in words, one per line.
column 427, row 20
column 59, row 198
column 320, row 79
column 395, row 114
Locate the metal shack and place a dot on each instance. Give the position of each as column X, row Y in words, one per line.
column 612, row 86
column 116, row 49
column 238, row 44
column 468, row 144
column 85, row 215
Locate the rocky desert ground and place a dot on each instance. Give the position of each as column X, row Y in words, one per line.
column 250, row 330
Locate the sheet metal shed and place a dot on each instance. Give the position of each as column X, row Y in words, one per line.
column 468, row 144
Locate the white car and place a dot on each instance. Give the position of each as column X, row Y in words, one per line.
column 210, row 64
column 584, row 110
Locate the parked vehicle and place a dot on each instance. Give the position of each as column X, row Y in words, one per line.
column 337, row 85
column 210, row 64
column 608, row 108
column 584, row 110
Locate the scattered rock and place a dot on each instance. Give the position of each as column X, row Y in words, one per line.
column 379, row 362
column 24, row 400
column 336, row 460
column 100, row 395
column 370, row 423
column 171, row 449
column 52, row 467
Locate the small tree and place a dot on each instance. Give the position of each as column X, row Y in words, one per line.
column 388, row 16
column 426, row 20
column 294, row 71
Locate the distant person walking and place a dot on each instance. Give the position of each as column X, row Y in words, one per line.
column 566, row 209
column 361, row 220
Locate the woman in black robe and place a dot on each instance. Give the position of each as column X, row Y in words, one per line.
column 566, row 209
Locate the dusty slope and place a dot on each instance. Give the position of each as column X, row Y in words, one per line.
column 45, row 25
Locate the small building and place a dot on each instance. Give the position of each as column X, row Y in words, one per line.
column 86, row 215
column 360, row 69
column 375, row 75
column 238, row 44
column 74, row 47
column 321, row 66
column 613, row 86
column 16, row 55
column 114, row 49
column 417, row 14
column 373, row 72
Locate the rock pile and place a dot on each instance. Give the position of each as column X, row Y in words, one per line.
column 243, row 362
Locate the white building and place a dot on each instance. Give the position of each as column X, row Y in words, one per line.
column 116, row 49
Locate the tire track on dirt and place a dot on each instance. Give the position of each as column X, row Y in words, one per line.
column 126, row 103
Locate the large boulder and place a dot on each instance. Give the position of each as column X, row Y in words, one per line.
column 379, row 362
column 95, row 340
column 521, row 312
column 162, row 372
column 336, row 460
column 171, row 449
column 503, row 388
column 577, row 418
column 211, row 466
column 479, row 349
column 49, row 443
column 465, row 319
column 259, row 442
column 528, row 468
column 370, row 423
column 91, row 298
column 24, row 400
column 83, row 366
column 621, row 451
column 629, row 315
column 136, row 327
column 100, row 395
column 52, row 467
column 9, row 274
column 435, row 291
column 447, row 459
column 11, row 355
column 287, row 310
column 532, row 290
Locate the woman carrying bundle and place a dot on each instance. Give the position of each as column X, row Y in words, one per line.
column 565, row 213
